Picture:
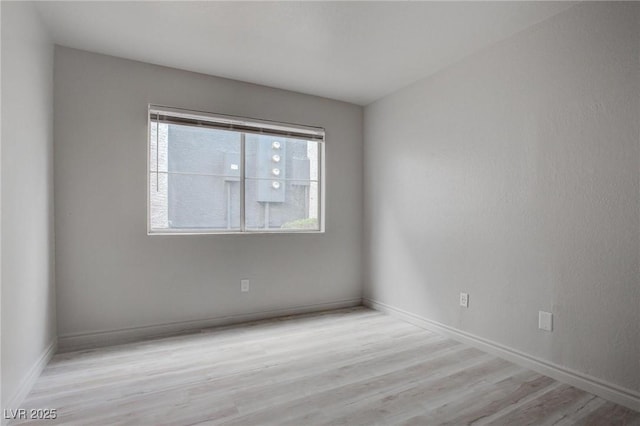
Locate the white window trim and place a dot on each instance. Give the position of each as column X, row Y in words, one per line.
column 235, row 123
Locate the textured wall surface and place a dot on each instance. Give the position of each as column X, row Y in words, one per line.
column 111, row 275
column 28, row 294
column 514, row 176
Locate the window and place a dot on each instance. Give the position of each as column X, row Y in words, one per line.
column 212, row 174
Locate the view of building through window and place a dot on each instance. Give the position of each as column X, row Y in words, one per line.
column 196, row 174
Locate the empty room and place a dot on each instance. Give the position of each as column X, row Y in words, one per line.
column 320, row 213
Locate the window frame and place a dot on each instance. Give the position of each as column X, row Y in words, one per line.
column 242, row 125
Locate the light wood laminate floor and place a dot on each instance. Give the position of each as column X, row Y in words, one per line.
column 346, row 367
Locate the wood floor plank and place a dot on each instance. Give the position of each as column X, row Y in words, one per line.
column 336, row 398
column 503, row 394
column 146, row 381
column 536, row 412
column 611, row 414
column 351, row 366
column 424, row 392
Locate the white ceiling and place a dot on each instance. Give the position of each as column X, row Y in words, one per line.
column 352, row 51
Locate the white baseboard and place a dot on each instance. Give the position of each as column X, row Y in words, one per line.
column 30, row 378
column 618, row 394
column 81, row 341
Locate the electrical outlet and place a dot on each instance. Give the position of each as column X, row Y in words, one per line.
column 464, row 300
column 244, row 285
column 545, row 321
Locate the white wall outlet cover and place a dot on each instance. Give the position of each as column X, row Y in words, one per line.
column 545, row 321
column 244, row 285
column 464, row 300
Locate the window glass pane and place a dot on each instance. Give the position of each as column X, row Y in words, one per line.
column 281, row 189
column 274, row 204
column 284, row 158
column 198, row 183
column 203, row 151
column 158, row 197
column 158, row 153
column 187, row 201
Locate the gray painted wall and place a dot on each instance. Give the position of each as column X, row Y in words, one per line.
column 111, row 275
column 28, row 294
column 513, row 175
